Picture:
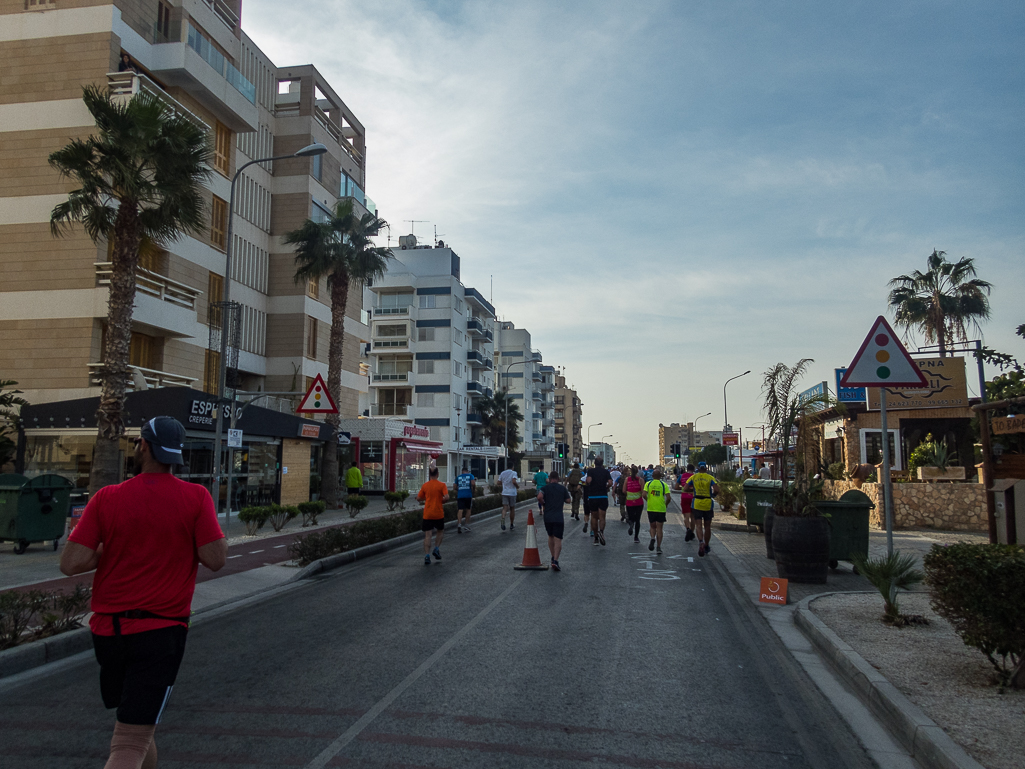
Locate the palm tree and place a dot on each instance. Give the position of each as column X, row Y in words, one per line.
column 493, row 415
column 140, row 178
column 340, row 249
column 943, row 302
column 10, row 411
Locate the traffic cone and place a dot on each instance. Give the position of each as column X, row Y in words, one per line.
column 531, row 557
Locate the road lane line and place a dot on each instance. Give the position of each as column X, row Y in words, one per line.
column 278, row 547
column 336, row 747
column 233, row 556
column 254, row 552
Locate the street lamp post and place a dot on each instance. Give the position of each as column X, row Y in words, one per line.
column 505, row 440
column 604, row 455
column 725, row 415
column 596, row 424
column 222, row 368
column 690, row 435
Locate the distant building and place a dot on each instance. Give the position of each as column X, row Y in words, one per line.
column 568, row 420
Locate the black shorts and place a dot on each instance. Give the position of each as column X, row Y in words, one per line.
column 702, row 515
column 594, row 504
column 555, row 528
column 464, row 503
column 656, row 517
column 138, row 670
column 430, row 524
column 354, row 490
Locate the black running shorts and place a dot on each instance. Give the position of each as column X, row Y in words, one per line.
column 656, row 517
column 555, row 528
column 430, row 524
column 702, row 515
column 138, row 670
column 464, row 503
column 594, row 504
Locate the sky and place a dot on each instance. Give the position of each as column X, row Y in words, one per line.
column 668, row 194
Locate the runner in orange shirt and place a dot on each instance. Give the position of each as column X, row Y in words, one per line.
column 433, row 494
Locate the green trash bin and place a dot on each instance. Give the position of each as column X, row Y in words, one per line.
column 33, row 510
column 848, row 525
column 758, row 497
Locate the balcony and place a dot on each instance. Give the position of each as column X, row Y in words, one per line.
column 539, row 437
column 391, row 312
column 536, row 415
column 153, row 377
column 474, row 358
column 389, row 409
column 473, row 418
column 390, row 345
column 489, row 335
column 474, row 296
column 155, row 285
column 475, row 328
column 489, row 364
column 489, row 393
column 548, row 386
column 475, row 387
column 123, row 86
column 536, row 395
column 392, row 379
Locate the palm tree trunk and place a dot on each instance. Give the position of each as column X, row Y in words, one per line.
column 105, row 469
column 339, row 284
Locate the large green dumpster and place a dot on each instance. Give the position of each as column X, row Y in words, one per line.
column 758, row 496
column 33, row 510
column 848, row 529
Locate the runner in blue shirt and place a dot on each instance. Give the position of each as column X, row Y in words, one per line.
column 466, row 485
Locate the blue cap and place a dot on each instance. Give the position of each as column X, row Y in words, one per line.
column 702, row 464
column 165, row 436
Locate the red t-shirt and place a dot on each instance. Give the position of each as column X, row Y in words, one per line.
column 151, row 527
column 685, row 498
column 432, row 494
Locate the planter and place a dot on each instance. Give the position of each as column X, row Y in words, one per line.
column 946, row 474
column 767, row 521
column 801, row 547
column 742, row 512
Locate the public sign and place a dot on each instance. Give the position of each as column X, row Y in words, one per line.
column 773, row 590
column 1008, row 425
column 309, row 431
column 947, row 387
column 317, row 399
column 848, row 394
column 730, row 439
column 882, row 361
column 234, row 439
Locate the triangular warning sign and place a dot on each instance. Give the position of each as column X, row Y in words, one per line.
column 882, row 361
column 317, row 399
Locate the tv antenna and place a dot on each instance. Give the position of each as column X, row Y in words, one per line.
column 436, row 236
column 413, row 223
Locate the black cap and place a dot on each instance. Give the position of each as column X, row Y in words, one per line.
column 165, row 436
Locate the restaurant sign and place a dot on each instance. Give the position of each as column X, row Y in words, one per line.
column 947, row 388
column 1009, row 424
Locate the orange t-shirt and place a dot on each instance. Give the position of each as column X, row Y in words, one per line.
column 432, row 494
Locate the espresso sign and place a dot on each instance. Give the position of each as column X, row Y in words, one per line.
column 947, row 388
column 1007, row 425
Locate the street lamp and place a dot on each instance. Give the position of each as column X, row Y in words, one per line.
column 726, row 419
column 596, row 424
column 604, row 456
column 691, row 433
column 505, row 439
column 222, row 368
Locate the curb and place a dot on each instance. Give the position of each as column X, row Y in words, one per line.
column 46, row 650
column 918, row 733
column 746, row 528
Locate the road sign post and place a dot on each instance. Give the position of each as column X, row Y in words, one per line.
column 883, row 362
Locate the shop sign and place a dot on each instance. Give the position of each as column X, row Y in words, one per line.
column 309, row 431
column 415, row 431
column 730, row 439
column 947, row 388
column 848, row 394
column 1010, row 424
column 205, row 412
column 818, row 391
column 483, row 451
column 344, row 439
column 773, row 590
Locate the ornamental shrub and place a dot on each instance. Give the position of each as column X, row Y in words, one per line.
column 254, row 518
column 311, row 510
column 27, row 616
column 279, row 515
column 980, row 590
column 393, row 498
column 354, row 503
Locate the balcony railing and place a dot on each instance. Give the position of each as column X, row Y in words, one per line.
column 475, row 327
column 154, row 284
column 474, row 358
column 536, row 377
column 474, row 387
column 125, row 85
column 153, row 378
column 402, row 344
column 389, row 409
column 537, row 395
column 536, row 415
column 392, row 378
column 224, row 68
column 473, row 418
column 391, row 311
column 489, row 335
column 538, row 436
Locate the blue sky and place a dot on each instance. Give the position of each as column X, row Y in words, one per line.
column 667, row 194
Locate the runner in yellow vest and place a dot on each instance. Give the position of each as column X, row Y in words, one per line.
column 703, row 487
column 657, row 494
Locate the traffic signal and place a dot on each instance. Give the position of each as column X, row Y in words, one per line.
column 676, row 450
column 562, row 450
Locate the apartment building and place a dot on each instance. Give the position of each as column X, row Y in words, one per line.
column 604, row 450
column 686, row 436
column 531, row 385
column 193, row 56
column 431, row 355
column 568, row 419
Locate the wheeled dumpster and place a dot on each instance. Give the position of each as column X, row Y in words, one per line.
column 848, row 525
column 758, row 496
column 33, row 509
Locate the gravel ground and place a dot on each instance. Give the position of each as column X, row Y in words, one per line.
column 951, row 682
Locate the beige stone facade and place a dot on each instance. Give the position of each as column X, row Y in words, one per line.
column 941, row 505
column 568, row 419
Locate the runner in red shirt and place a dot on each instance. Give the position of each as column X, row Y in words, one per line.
column 433, row 494
column 685, row 503
column 146, row 538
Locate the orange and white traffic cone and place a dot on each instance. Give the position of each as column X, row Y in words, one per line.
column 531, row 557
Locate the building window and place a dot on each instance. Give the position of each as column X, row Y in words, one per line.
column 425, row 400
column 163, row 22
column 458, row 305
column 211, row 371
column 311, row 337
column 394, row 330
column 425, row 367
column 140, row 351
column 457, row 336
column 222, row 148
column 218, row 222
column 457, row 368
column 313, row 288
column 214, row 293
column 393, row 402
column 425, row 335
column 428, row 302
column 317, row 167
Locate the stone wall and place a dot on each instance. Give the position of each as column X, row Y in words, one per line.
column 949, row 506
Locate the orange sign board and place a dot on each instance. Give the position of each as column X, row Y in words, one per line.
column 317, row 399
column 1008, row 425
column 773, row 590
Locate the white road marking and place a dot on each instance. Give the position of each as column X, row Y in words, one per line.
column 233, row 556
column 254, row 552
column 278, row 547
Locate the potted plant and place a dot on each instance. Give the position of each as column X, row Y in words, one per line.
column 937, row 462
column 799, row 532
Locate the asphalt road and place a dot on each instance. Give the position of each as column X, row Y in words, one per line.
column 622, row 659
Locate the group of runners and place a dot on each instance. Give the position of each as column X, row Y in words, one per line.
column 634, row 489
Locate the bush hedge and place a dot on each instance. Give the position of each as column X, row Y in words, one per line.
column 980, row 590
column 320, row 544
column 311, row 510
column 27, row 616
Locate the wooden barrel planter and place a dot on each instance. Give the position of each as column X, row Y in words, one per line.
column 767, row 522
column 801, row 547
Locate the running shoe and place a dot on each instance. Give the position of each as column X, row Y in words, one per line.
column 658, row 551
column 459, row 529
column 601, row 537
column 585, row 527
column 708, row 548
column 594, row 541
column 701, row 549
column 512, row 526
column 503, row 525
column 466, row 529
column 651, row 545
column 555, row 566
column 689, row 536
column 637, row 539
column 427, row 560
column 437, row 554
column 629, row 530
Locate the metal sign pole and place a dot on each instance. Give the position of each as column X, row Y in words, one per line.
column 887, row 485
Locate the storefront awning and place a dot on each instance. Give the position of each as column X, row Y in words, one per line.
column 422, row 448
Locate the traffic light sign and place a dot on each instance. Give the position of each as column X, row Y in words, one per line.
column 562, row 450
